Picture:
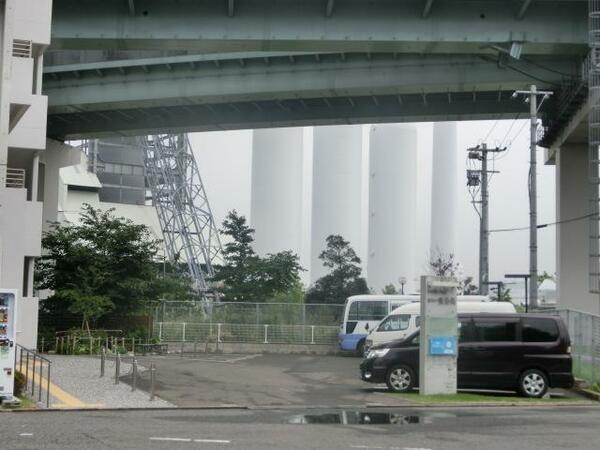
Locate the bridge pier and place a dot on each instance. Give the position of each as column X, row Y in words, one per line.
column 573, row 192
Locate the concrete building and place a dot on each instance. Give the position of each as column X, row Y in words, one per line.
column 24, row 36
column 392, row 206
column 336, row 190
column 276, row 193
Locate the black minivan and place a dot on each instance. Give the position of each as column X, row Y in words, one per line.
column 524, row 352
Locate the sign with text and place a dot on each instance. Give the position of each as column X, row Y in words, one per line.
column 439, row 336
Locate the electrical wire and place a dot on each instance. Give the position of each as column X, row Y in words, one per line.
column 545, row 225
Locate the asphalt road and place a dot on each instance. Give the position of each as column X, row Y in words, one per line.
column 268, row 380
column 410, row 429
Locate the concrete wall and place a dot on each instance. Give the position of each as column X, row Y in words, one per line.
column 572, row 247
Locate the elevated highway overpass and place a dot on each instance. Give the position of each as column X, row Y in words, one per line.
column 127, row 67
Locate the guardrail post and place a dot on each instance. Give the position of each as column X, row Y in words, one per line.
column 56, row 345
column 312, row 334
column 152, row 381
column 43, row 342
column 266, row 334
column 160, row 325
column 62, row 345
column 91, row 345
column 102, row 361
column 218, row 332
column 117, row 368
column 134, row 373
column 183, row 332
column 182, row 348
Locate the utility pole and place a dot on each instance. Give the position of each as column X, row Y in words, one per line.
column 480, row 178
column 531, row 97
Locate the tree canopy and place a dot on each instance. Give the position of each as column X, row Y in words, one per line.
column 103, row 264
column 247, row 277
column 344, row 278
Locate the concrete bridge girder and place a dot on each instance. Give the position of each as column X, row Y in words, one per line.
column 408, row 26
column 455, row 83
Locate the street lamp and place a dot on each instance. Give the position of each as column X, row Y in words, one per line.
column 525, row 277
column 402, row 281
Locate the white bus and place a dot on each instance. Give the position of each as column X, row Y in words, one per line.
column 362, row 313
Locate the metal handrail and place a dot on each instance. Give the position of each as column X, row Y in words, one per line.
column 36, row 356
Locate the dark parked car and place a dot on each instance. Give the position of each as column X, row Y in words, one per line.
column 524, row 352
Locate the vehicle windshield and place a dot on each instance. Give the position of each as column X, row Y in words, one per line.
column 396, row 322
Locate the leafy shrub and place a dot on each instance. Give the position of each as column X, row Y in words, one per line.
column 19, row 383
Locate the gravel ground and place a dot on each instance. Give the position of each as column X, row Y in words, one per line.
column 80, row 377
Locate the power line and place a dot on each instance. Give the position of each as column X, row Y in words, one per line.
column 544, row 225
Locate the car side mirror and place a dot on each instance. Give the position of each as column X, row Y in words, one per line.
column 367, row 327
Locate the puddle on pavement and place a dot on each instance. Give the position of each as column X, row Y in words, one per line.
column 356, row 418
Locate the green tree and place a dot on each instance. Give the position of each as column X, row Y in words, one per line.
column 443, row 265
column 389, row 289
column 344, row 278
column 103, row 264
column 504, row 297
column 545, row 276
column 244, row 276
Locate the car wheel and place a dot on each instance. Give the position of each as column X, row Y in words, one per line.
column 533, row 383
column 400, row 379
column 360, row 348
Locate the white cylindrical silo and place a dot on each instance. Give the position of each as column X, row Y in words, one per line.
column 444, row 192
column 336, row 189
column 392, row 206
column 276, row 193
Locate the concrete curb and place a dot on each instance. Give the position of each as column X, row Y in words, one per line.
column 474, row 405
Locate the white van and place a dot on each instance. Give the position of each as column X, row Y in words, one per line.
column 406, row 319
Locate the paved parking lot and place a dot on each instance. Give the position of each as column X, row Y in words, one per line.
column 267, row 380
column 263, row 380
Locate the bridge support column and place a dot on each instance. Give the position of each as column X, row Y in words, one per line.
column 572, row 238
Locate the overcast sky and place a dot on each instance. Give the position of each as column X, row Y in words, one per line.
column 225, row 164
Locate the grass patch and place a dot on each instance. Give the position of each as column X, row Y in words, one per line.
column 467, row 397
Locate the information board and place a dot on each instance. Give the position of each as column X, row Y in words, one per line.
column 8, row 333
column 439, row 336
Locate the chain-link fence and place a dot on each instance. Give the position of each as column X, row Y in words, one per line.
column 245, row 333
column 584, row 330
column 250, row 313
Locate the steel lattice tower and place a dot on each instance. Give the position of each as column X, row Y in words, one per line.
column 184, row 213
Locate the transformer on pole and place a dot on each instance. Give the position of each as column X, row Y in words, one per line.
column 184, row 213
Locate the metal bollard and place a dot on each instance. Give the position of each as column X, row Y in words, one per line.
column 27, row 371
column 91, row 345
column 117, row 368
column 33, row 377
column 43, row 342
column 102, row 361
column 134, row 373
column 152, row 381
column 48, row 388
column 182, row 348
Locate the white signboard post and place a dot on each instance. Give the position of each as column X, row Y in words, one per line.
column 439, row 336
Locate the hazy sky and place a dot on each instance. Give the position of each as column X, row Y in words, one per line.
column 225, row 161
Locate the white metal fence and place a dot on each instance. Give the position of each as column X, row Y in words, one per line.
column 250, row 313
column 584, row 330
column 245, row 333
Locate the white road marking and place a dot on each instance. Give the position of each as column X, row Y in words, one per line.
column 169, row 439
column 26, row 434
column 199, row 441
column 370, row 447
